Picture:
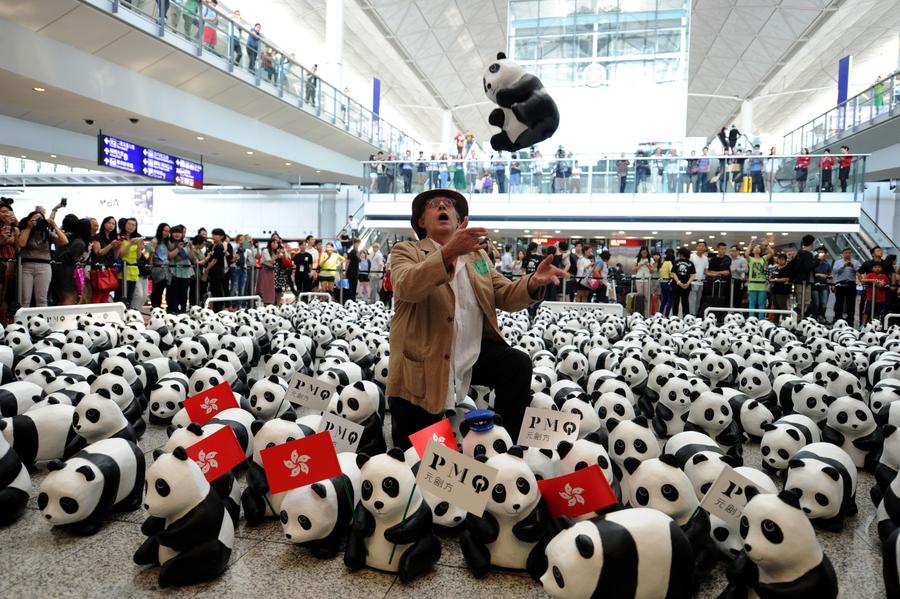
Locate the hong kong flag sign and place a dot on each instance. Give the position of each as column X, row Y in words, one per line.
column 210, row 403
column 580, row 492
column 441, row 432
column 217, row 453
column 301, row 462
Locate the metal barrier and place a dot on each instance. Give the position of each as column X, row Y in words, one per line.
column 614, row 309
column 312, row 294
column 62, row 318
column 888, row 318
column 237, row 298
column 790, row 313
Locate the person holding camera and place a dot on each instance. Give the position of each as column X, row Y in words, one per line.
column 265, row 284
column 35, row 238
column 9, row 236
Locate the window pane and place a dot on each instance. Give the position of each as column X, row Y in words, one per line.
column 524, row 9
column 668, row 41
column 525, row 49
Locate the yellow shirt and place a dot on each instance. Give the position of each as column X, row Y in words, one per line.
column 665, row 271
column 131, row 258
column 328, row 264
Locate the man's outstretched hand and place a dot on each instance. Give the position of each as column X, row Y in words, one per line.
column 464, row 241
column 546, row 274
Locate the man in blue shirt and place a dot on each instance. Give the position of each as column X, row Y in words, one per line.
column 843, row 276
column 756, row 167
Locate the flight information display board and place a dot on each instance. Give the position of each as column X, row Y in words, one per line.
column 138, row 160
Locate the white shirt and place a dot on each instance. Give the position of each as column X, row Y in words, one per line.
column 506, row 263
column 583, row 269
column 377, row 266
column 701, row 263
column 315, row 255
column 468, row 325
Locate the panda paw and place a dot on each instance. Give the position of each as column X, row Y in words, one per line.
column 496, row 118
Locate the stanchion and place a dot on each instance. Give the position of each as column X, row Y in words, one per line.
column 340, row 281
column 803, row 303
column 872, row 315
column 19, row 280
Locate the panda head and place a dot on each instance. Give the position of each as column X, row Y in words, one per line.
column 659, row 484
column 850, row 416
column 755, row 416
column 77, row 353
column 380, row 370
column 267, row 397
column 97, row 418
column 703, row 468
column 386, row 483
column 204, row 379
column 166, row 397
column 726, row 535
column 779, row 444
column 483, row 434
column 71, row 491
column 711, row 412
column 114, row 387
column 678, row 393
column 572, row 555
column 515, row 489
column 584, row 453
column 613, row 405
column 634, row 371
column 310, row 512
column 754, row 382
column 631, row 439
column 271, row 433
column 819, row 487
column 885, row 392
column 776, row 534
column 501, row 74
column 714, row 367
column 191, row 352
column 811, row 400
column 572, row 365
column 356, row 402
column 589, row 420
column 121, row 366
column 281, row 365
column 174, row 485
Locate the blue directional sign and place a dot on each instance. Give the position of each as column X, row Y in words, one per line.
column 126, row 156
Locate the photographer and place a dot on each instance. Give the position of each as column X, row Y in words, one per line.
column 37, row 233
column 9, row 235
column 215, row 267
column 177, row 292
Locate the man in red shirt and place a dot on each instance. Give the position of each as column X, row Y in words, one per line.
column 826, row 164
column 845, row 160
column 876, row 294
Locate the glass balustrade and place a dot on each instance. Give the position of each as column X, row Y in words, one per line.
column 632, row 177
column 878, row 100
column 214, row 33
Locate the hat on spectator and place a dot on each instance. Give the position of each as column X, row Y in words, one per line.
column 418, row 207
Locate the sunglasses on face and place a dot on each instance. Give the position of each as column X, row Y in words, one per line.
column 435, row 202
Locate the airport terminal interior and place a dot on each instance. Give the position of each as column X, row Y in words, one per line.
column 405, row 298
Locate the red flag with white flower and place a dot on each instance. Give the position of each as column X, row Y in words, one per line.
column 577, row 493
column 217, row 453
column 301, row 462
column 208, row 404
column 442, row 432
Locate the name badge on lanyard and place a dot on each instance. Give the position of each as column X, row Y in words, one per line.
column 481, row 267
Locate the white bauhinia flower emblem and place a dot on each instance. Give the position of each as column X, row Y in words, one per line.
column 209, row 405
column 437, row 438
column 207, row 460
column 297, row 464
column 572, row 495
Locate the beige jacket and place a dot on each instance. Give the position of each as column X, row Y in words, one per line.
column 424, row 308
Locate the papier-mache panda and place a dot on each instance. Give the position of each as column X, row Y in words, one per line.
column 711, row 413
column 99, row 418
column 115, row 387
column 18, row 397
column 629, row 439
column 726, row 535
column 888, row 463
column 363, row 403
column 166, row 397
column 751, row 414
column 788, row 435
column 851, row 426
column 671, row 409
column 317, row 516
column 44, row 433
column 15, row 484
column 391, row 513
column 267, row 397
column 483, row 433
column 516, row 523
column 823, row 476
column 582, row 454
column 637, row 552
column 527, row 115
column 190, row 533
column 782, row 557
column 105, row 476
column 444, row 516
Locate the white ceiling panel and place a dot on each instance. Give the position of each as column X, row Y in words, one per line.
column 36, row 15
column 86, row 28
column 135, row 51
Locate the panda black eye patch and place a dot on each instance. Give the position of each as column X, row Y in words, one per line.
column 391, row 486
column 304, row 522
column 642, row 496
column 68, row 505
column 499, row 493
column 523, row 485
column 162, row 487
column 367, row 489
column 772, row 532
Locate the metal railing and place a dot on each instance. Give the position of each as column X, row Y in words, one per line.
column 705, row 177
column 881, row 98
column 791, row 313
column 234, row 44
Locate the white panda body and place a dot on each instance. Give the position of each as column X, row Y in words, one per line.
column 40, row 434
column 18, row 397
column 785, row 438
column 14, row 495
column 99, row 418
column 826, row 478
column 508, row 551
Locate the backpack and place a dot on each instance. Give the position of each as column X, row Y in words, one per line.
column 573, row 264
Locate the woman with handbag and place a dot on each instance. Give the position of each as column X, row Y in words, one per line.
column 104, row 280
column 283, row 270
column 130, row 249
column 160, row 250
column 68, row 259
column 265, row 285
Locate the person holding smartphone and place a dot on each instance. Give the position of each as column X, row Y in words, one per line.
column 9, row 234
column 303, row 266
column 180, row 266
column 36, row 234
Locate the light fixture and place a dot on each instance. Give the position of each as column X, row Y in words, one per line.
column 526, row 230
column 39, row 89
column 318, row 171
column 200, row 138
column 712, row 236
column 654, row 232
column 722, row 233
column 24, row 156
column 556, row 231
column 693, row 243
column 287, row 164
column 249, row 152
column 496, row 230
column 52, row 155
column 688, row 232
column 770, row 233
column 785, row 234
column 621, row 232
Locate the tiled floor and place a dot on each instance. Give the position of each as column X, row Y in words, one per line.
column 37, row 561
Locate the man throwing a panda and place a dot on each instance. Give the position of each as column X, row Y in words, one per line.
column 444, row 334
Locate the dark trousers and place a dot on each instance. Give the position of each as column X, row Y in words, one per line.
column 622, row 180
column 352, row 283
column 304, row 283
column 251, row 59
column 237, row 52
column 827, row 185
column 177, row 295
column 157, row 294
column 407, row 180
column 843, row 175
column 681, row 298
column 665, row 306
column 845, row 302
column 506, row 369
column 217, row 289
column 757, row 184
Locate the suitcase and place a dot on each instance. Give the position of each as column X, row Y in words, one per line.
column 629, row 302
column 654, row 303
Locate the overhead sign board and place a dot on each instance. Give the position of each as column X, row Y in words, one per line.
column 132, row 158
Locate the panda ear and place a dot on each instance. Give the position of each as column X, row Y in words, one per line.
column 463, row 428
column 195, row 428
column 750, row 492
column 669, row 460
column 397, row 454
column 54, row 465
column 516, row 450
column 361, row 459
column 498, row 419
column 594, row 437
column 790, row 498
column 565, row 522
column 888, row 430
column 620, row 391
column 564, row 448
column 698, row 459
column 585, row 546
column 86, row 472
column 766, row 426
column 793, row 434
column 641, row 421
column 320, row 490
column 795, row 464
column 157, row 453
column 548, row 453
column 831, row 473
column 180, row 453
column 611, row 424
column 828, row 399
column 170, row 429
column 631, row 464
column 289, row 415
column 255, row 426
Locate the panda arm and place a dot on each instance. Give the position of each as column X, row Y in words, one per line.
column 830, row 435
column 664, row 412
column 413, row 528
column 195, row 527
column 523, row 89
column 484, row 529
column 535, row 526
column 871, row 442
column 742, row 575
column 363, row 522
column 153, row 525
column 355, row 551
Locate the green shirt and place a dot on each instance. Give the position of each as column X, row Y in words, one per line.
column 757, row 279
